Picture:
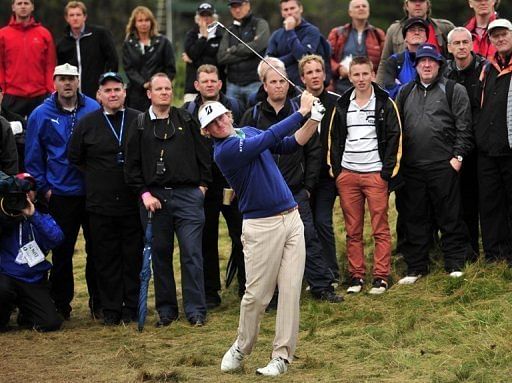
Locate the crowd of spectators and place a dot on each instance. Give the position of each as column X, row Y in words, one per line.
column 422, row 109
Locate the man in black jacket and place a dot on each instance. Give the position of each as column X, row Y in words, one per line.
column 241, row 64
column 436, row 138
column 209, row 87
column 88, row 47
column 96, row 147
column 365, row 155
column 299, row 169
column 168, row 164
column 465, row 68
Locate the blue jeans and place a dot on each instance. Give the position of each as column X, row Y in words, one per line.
column 242, row 93
column 181, row 213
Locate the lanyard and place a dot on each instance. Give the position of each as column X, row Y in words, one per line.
column 30, row 238
column 119, row 137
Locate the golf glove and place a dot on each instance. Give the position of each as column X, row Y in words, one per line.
column 317, row 111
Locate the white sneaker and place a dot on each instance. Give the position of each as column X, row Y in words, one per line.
column 456, row 274
column 275, row 367
column 409, row 279
column 232, row 359
column 379, row 287
column 356, row 285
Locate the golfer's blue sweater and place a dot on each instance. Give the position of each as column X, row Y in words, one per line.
column 246, row 161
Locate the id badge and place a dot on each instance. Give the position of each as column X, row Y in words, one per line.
column 31, row 253
column 160, row 168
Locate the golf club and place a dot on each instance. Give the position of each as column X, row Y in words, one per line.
column 213, row 25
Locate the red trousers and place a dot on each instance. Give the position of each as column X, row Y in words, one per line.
column 354, row 189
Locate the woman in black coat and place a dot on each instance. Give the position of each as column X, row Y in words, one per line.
column 145, row 52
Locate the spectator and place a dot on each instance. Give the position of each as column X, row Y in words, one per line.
column 299, row 169
column 477, row 25
column 357, row 38
column 437, row 31
column 145, row 53
column 493, row 143
column 168, row 165
column 365, row 159
column 209, row 87
column 323, row 195
column 436, row 138
column 28, row 59
column 61, row 184
column 399, row 67
column 97, row 147
column 23, row 277
column 465, row 68
column 295, row 39
column 201, row 46
column 89, row 47
column 8, row 152
column 17, row 125
column 241, row 64
column 274, row 245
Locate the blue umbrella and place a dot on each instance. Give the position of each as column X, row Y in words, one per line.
column 145, row 273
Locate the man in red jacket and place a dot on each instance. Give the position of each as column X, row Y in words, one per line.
column 485, row 12
column 28, row 59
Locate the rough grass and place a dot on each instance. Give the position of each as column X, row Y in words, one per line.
column 440, row 330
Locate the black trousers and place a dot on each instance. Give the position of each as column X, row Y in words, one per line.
column 495, row 187
column 469, row 195
column 69, row 213
column 212, row 208
column 37, row 309
column 316, row 271
column 22, row 105
column 117, row 246
column 437, row 185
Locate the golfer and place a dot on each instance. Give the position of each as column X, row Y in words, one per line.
column 272, row 233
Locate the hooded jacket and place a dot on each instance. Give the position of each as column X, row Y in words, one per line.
column 48, row 130
column 481, row 44
column 27, row 59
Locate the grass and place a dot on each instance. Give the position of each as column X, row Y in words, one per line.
column 440, row 330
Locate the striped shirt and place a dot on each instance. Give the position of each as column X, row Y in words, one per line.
column 361, row 152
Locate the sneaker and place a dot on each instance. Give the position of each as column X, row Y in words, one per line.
column 232, row 359
column 275, row 367
column 329, row 296
column 409, row 279
column 456, row 274
column 379, row 286
column 356, row 285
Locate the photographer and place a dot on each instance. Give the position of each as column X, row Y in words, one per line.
column 26, row 238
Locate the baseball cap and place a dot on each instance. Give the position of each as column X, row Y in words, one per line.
column 65, row 70
column 499, row 23
column 210, row 111
column 428, row 50
column 205, row 8
column 110, row 76
column 231, row 2
column 415, row 21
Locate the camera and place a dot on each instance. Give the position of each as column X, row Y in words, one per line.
column 13, row 193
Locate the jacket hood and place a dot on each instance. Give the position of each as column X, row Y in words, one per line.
column 30, row 24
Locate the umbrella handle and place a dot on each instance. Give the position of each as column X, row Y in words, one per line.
column 150, row 215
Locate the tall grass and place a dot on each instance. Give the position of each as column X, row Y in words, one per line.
column 440, row 330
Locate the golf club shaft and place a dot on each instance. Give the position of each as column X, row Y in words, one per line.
column 211, row 26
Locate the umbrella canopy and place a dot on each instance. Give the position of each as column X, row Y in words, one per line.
column 145, row 273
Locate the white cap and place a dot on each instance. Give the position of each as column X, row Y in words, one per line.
column 65, row 70
column 499, row 23
column 210, row 111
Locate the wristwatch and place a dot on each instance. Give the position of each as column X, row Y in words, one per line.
column 459, row 158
